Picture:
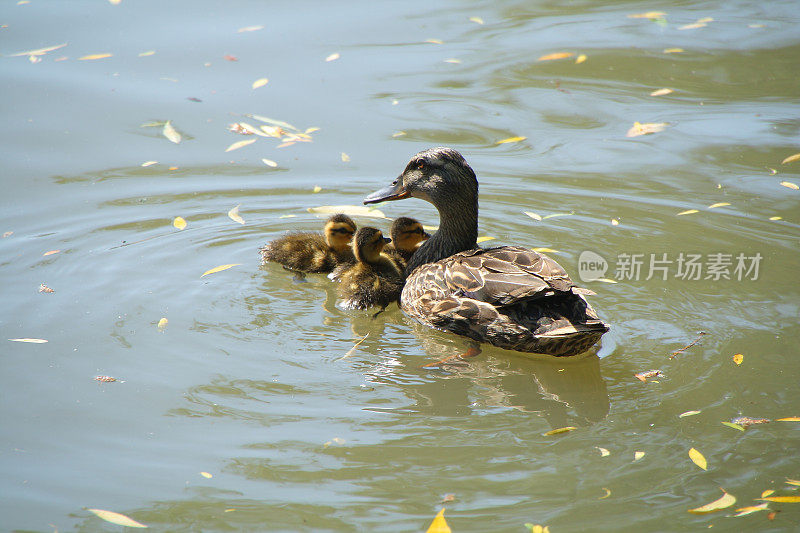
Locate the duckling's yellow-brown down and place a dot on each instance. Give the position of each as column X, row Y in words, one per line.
column 313, row 252
column 407, row 235
column 374, row 279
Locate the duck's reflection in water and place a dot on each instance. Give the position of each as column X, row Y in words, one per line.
column 567, row 391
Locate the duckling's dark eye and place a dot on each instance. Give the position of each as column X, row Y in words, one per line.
column 421, row 165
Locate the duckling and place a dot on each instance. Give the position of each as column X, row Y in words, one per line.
column 508, row 296
column 313, row 252
column 407, row 235
column 375, row 279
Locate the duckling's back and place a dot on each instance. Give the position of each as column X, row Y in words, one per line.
column 303, row 251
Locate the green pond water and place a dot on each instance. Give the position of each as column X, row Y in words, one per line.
column 254, row 379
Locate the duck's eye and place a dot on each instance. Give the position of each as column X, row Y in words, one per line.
column 421, row 165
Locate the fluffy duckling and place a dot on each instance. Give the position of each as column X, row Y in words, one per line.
column 313, row 252
column 374, row 279
column 407, row 235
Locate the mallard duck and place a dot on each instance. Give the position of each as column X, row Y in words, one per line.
column 313, row 252
column 374, row 279
column 407, row 234
column 508, row 296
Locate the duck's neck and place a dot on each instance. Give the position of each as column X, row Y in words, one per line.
column 458, row 231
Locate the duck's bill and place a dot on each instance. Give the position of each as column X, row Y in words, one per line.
column 395, row 191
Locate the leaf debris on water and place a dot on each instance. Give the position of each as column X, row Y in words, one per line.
column 603, row 451
column 45, row 288
column 793, row 157
column 689, row 413
column 439, row 524
column 51, row 252
column 179, row 223
column 219, row 269
column 645, row 128
column 476, row 20
column 732, row 425
column 746, row 421
column 249, row 28
column 91, row 57
column 149, row 163
column 105, row 379
column 33, row 341
column 647, row 374
column 533, row 215
column 738, row 358
column 648, row 15
column 555, row 55
column 558, row 431
column 117, row 518
column 260, row 82
column 580, row 59
column 717, row 505
column 673, row 50
column 782, row 499
column 687, row 212
column 718, row 204
column 170, row 132
column 606, row 495
column 333, row 57
column 233, row 214
column 162, row 324
column 698, row 458
column 38, row 51
column 661, row 92
column 270, row 163
column 743, row 511
column 484, row 239
column 239, row 144
column 352, row 210
column 206, row 475
column 345, row 157
column 511, row 140
column 789, row 419
column 353, row 348
column 790, row 185
column 638, row 455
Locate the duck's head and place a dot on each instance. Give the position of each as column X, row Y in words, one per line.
column 437, row 175
column 368, row 244
column 339, row 231
column 407, row 234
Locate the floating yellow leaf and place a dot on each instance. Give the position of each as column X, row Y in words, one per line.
column 673, row 50
column 693, row 26
column 260, row 82
column 689, row 413
column 767, row 492
column 554, row 215
column 233, row 214
column 171, row 133
column 580, row 59
column 705, row 19
column 606, row 495
column 179, row 222
column 434, row 41
column 559, row 431
column 614, row 222
column 794, row 482
column 718, row 204
column 249, row 28
column 38, row 51
column 399, row 134
column 316, row 189
column 661, row 92
column 35, row 341
column 333, row 57
column 148, row 53
column 476, row 20
column 51, row 252
column 94, row 56
column 533, row 215
column 789, row 419
column 776, row 218
column 555, row 55
column 698, row 459
column 793, row 157
column 647, row 374
column 484, row 239
column 439, row 525
column 116, row 518
column 149, row 163
column 637, row 455
column 742, row 511
column 688, row 212
column 646, row 128
column 738, row 358
column 790, row 185
column 605, row 280
column 603, row 451
column 725, row 501
column 270, row 163
column 648, row 15
column 352, row 210
column 732, row 425
column 453, row 60
column 162, row 324
column 345, row 157
column 206, row 475
column 782, row 499
column 543, row 250
column 219, row 269
column 537, row 528
column 239, row 144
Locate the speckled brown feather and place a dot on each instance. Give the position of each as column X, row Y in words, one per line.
column 366, row 285
column 304, row 252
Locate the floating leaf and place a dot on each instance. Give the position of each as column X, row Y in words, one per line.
column 767, row 492
column 698, row 459
column 453, row 60
column 647, row 374
column 434, row 41
column 776, row 218
column 171, row 133
column 51, row 252
column 789, row 419
column 270, row 163
column 614, row 222
column 559, row 431
column 260, row 82
column 637, row 455
column 206, row 475
column 688, row 212
column 782, row 499
column 116, row 518
column 790, row 185
column 746, row 421
column 439, row 525
column 742, row 511
column 272, row 121
column 794, row 482
column 233, row 214
column 333, row 57
column 476, row 20
column 352, row 210
column 399, row 134
column 162, row 324
column 793, row 157
column 239, row 144
column 554, row 215
column 511, row 140
column 148, row 53
column 94, row 56
column 45, row 288
column 603, row 451
column 718, row 204
column 179, row 222
column 484, row 239
column 345, row 157
column 689, row 413
column 537, row 528
column 693, row 26
column 673, row 50
column 533, row 215
column 661, row 92
column 556, row 55
column 738, row 358
column 219, row 269
column 34, row 341
column 149, row 163
column 646, row 128
column 605, row 280
column 717, row 505
column 732, row 425
column 105, row 379
column 38, row 51
column 316, row 189
column 249, row 28
column 648, row 15
column 543, row 250
column 606, row 495
column 580, row 59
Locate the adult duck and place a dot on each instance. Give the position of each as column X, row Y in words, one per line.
column 508, row 296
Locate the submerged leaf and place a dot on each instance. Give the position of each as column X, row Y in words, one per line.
column 219, row 269
column 556, row 55
column 439, row 525
column 559, row 431
column 179, row 222
column 116, row 518
column 234, row 215
column 698, row 459
column 717, row 505
column 647, row 374
column 352, row 210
